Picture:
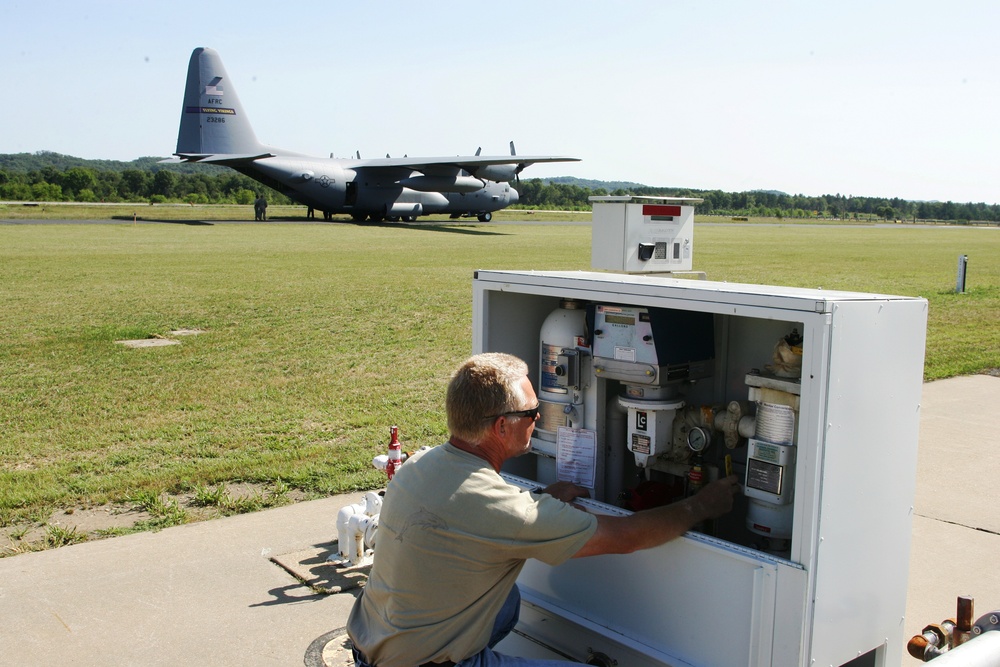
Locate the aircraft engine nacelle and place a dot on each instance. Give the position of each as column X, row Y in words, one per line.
column 501, row 173
column 435, row 183
column 405, row 210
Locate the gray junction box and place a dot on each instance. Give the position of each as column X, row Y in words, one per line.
column 642, row 234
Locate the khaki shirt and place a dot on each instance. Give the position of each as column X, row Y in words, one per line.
column 452, row 538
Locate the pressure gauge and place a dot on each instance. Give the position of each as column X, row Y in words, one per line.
column 698, row 439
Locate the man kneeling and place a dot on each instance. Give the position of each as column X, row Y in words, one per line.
column 453, row 535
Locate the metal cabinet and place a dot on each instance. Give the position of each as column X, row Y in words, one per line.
column 835, row 593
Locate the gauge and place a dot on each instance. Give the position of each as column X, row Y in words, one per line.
column 698, row 439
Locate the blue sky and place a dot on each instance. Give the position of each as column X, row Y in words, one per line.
column 853, row 97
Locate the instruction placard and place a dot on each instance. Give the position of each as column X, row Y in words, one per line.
column 576, row 456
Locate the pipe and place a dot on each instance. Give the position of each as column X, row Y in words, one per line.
column 356, row 525
column 615, row 426
column 933, row 642
column 980, row 651
column 960, row 643
column 343, row 527
column 963, row 624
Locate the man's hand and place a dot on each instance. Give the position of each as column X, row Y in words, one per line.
column 566, row 491
column 716, row 498
column 653, row 527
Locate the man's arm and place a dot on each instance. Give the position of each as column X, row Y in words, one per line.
column 651, row 528
column 565, row 491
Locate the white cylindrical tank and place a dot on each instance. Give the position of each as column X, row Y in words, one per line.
column 775, row 424
column 565, row 327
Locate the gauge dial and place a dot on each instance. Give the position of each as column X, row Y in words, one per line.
column 698, row 439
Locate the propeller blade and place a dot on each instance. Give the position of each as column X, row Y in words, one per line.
column 520, row 167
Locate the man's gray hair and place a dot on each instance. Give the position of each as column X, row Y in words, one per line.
column 486, row 385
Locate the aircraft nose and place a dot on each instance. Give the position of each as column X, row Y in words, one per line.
column 512, row 197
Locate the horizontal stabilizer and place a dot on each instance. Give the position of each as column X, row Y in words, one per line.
column 224, row 158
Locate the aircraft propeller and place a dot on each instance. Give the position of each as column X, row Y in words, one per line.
column 520, row 166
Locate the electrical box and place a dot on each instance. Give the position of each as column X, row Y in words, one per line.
column 642, row 234
column 811, row 397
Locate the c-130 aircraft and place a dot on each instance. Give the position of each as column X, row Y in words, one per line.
column 214, row 129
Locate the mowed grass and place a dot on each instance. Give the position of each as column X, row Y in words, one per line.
column 317, row 338
column 221, row 212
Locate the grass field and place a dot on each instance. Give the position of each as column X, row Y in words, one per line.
column 317, row 338
column 219, row 212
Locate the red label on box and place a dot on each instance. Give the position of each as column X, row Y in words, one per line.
column 660, row 209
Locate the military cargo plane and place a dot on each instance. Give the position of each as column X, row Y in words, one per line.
column 215, row 130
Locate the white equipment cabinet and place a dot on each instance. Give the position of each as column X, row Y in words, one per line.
column 836, row 593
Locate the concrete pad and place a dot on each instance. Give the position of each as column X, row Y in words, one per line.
column 148, row 342
column 199, row 594
column 314, row 568
column 946, row 561
column 956, row 524
column 958, row 471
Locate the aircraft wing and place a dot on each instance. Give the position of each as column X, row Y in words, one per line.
column 466, row 162
column 457, row 174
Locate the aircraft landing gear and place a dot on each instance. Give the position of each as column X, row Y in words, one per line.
column 484, row 217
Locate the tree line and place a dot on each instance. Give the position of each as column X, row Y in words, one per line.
column 52, row 177
column 563, row 194
column 55, row 178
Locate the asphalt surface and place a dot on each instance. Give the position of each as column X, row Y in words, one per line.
column 209, row 594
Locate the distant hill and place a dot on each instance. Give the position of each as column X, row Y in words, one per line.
column 611, row 186
column 25, row 162
column 592, row 184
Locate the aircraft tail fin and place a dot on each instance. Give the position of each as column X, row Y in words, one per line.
column 212, row 119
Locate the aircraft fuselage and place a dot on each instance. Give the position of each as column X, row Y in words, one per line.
column 334, row 187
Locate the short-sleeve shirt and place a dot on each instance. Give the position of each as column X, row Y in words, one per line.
column 452, row 538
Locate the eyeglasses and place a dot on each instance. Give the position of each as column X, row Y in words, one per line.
column 532, row 414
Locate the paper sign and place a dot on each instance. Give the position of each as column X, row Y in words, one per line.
column 576, row 456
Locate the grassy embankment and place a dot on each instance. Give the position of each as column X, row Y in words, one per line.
column 318, row 337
